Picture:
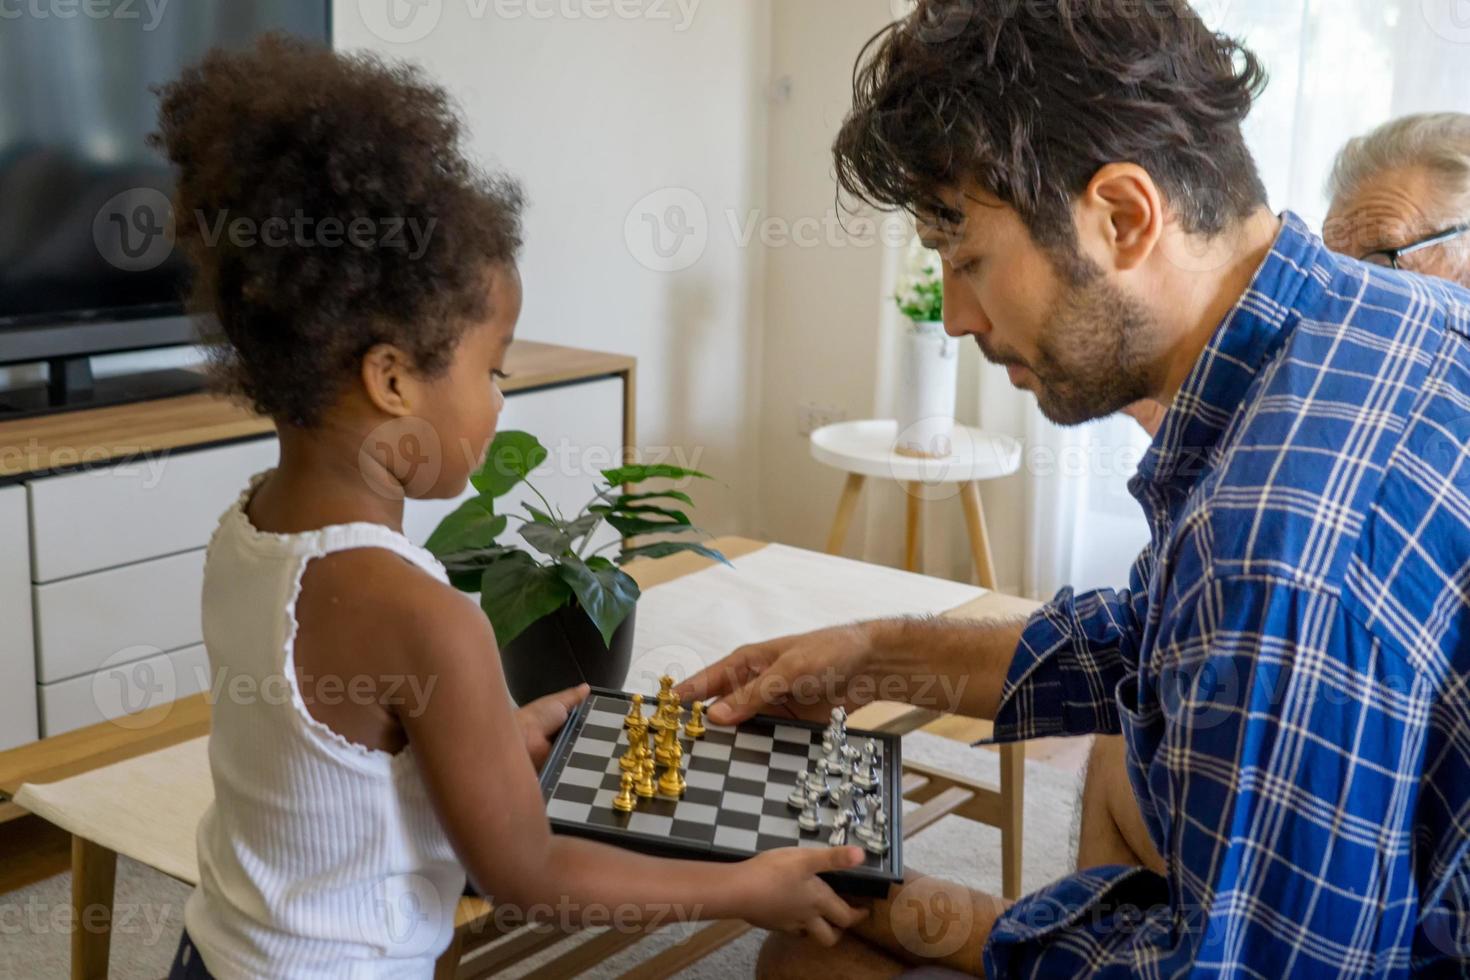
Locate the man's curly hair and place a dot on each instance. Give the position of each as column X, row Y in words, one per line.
column 1030, row 98
column 292, row 132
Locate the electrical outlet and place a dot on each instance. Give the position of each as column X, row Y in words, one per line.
column 811, row 416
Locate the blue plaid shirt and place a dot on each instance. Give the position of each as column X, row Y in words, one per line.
column 1290, row 665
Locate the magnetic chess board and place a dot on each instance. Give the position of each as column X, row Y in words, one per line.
column 735, row 804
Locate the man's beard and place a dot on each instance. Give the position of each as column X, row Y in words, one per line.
column 1094, row 357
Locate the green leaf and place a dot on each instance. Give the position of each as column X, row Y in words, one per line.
column 662, row 549
column 637, row 474
column 512, row 457
column 473, row 524
column 476, row 560
column 633, row 527
column 583, row 526
column 633, row 498
column 677, row 516
column 547, row 539
column 516, row 592
column 607, row 595
column 599, row 563
column 539, row 516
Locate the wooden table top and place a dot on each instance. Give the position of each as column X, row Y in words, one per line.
column 90, row 437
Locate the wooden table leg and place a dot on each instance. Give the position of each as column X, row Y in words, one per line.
column 1013, row 798
column 447, row 966
column 845, row 508
column 914, row 527
column 979, row 539
column 93, row 875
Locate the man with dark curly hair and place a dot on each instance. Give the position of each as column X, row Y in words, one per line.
column 1287, row 665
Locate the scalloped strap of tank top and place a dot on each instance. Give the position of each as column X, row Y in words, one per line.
column 345, row 537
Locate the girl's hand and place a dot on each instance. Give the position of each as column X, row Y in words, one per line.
column 779, row 890
column 543, row 718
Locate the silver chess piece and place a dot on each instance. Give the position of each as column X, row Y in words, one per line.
column 800, row 794
column 839, row 829
column 866, row 772
column 809, row 821
column 875, row 841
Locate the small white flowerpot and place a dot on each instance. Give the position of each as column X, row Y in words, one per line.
column 928, row 366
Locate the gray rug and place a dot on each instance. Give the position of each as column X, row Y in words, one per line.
column 35, row 929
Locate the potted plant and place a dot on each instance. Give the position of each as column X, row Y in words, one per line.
column 928, row 360
column 562, row 611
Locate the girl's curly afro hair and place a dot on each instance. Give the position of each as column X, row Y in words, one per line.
column 327, row 207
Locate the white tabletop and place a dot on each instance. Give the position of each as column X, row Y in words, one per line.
column 866, row 448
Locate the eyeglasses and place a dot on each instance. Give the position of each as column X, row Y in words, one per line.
column 1392, row 256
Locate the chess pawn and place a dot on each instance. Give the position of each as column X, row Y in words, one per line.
column 635, row 713
column 877, row 841
column 671, row 783
column 644, row 786
column 625, row 801
column 801, row 795
column 809, row 821
column 695, row 728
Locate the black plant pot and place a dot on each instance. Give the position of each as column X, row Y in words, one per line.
column 563, row 650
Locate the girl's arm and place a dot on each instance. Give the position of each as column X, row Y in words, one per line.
column 473, row 755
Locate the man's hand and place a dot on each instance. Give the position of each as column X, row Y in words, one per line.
column 802, row 676
column 543, row 718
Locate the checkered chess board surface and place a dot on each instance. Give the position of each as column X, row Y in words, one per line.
column 738, row 780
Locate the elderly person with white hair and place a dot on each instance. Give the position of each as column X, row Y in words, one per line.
column 1400, row 198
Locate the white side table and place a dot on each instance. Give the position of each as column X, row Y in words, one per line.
column 863, row 449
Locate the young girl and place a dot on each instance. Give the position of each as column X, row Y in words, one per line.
column 365, row 752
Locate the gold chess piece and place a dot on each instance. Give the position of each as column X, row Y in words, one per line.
column 671, row 783
column 668, row 735
column 625, row 801
column 637, row 737
column 695, row 728
column 644, row 786
column 635, row 713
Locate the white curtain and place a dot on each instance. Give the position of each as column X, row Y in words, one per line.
column 1337, row 69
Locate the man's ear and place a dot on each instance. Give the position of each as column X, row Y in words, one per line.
column 1122, row 213
column 388, row 380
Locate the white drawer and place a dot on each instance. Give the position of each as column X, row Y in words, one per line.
column 117, row 691
column 17, row 655
column 580, row 425
column 83, row 522
column 83, row 622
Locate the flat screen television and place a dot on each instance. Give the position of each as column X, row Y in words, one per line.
column 87, row 266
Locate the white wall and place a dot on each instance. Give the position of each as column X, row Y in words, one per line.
column 828, row 321
column 593, row 116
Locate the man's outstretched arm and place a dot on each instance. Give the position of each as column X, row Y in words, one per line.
column 956, row 666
